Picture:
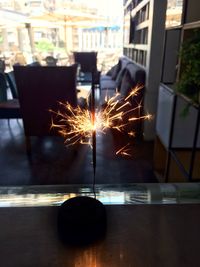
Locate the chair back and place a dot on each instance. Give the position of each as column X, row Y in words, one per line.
column 87, row 61
column 9, row 108
column 2, row 66
column 3, row 87
column 41, row 89
column 51, row 61
column 34, row 64
column 12, row 84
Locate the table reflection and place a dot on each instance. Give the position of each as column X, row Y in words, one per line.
column 130, row 194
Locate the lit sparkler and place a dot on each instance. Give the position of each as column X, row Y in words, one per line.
column 78, row 125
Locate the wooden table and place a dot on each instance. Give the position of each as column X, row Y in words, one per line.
column 137, row 235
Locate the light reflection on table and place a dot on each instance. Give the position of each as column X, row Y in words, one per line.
column 129, row 194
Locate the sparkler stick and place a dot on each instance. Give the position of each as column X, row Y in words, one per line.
column 93, row 123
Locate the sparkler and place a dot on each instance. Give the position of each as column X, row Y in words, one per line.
column 78, row 125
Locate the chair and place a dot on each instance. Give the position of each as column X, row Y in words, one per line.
column 88, row 66
column 10, row 76
column 51, row 61
column 34, row 64
column 40, row 89
column 2, row 66
column 87, row 61
column 9, row 108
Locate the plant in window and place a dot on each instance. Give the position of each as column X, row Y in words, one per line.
column 189, row 81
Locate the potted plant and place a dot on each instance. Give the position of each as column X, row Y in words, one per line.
column 177, row 114
column 188, row 98
column 189, row 79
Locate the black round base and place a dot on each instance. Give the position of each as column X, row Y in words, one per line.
column 81, row 220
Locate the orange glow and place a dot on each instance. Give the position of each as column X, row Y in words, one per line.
column 76, row 125
column 124, row 151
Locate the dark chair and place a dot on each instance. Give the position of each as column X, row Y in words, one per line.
column 3, row 87
column 41, row 89
column 87, row 61
column 10, row 76
column 2, row 66
column 9, row 108
column 88, row 65
column 34, row 64
column 51, row 61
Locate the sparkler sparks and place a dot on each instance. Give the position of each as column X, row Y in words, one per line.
column 124, row 151
column 77, row 125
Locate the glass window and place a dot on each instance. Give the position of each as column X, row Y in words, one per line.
column 174, row 13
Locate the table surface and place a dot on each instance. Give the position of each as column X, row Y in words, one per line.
column 137, row 235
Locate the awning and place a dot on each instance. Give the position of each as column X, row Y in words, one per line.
column 10, row 18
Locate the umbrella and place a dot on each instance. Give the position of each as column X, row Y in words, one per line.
column 67, row 18
column 15, row 19
column 11, row 16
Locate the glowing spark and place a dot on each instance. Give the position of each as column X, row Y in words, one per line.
column 122, row 106
column 134, row 91
column 146, row 117
column 131, row 133
column 124, row 151
column 77, row 125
